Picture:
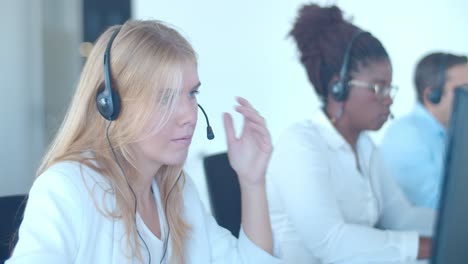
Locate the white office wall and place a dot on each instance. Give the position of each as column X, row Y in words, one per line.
column 21, row 118
column 243, row 50
column 39, row 66
column 62, row 36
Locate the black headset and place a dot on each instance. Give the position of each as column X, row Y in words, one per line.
column 435, row 95
column 339, row 89
column 108, row 99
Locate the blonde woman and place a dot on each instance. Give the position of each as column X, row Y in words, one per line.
column 111, row 187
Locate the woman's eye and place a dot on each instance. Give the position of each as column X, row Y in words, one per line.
column 194, row 93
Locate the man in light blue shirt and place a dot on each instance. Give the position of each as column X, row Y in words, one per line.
column 414, row 145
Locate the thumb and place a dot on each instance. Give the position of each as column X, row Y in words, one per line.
column 229, row 128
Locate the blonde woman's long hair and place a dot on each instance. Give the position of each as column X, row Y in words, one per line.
column 147, row 60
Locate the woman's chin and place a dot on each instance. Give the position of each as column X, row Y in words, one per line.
column 176, row 160
column 376, row 126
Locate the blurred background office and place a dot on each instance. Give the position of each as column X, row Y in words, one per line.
column 243, row 50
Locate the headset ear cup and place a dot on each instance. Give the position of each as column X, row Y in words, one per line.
column 338, row 91
column 115, row 104
column 102, row 104
column 434, row 96
column 108, row 106
column 107, row 99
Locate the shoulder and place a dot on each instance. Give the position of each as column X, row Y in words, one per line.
column 402, row 134
column 63, row 176
column 302, row 128
column 68, row 175
column 404, row 123
column 301, row 139
column 59, row 214
column 302, row 151
column 71, row 179
column 410, row 126
column 302, row 134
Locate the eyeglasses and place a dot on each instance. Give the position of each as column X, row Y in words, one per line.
column 380, row 91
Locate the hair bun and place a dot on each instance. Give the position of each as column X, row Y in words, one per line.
column 313, row 31
column 312, row 21
column 335, row 15
column 318, row 16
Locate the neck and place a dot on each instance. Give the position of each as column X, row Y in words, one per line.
column 142, row 185
column 343, row 125
column 350, row 135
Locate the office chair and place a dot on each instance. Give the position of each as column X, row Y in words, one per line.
column 223, row 191
column 11, row 211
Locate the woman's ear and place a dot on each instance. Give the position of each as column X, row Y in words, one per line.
column 334, row 108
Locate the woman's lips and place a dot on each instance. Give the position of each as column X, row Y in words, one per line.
column 184, row 140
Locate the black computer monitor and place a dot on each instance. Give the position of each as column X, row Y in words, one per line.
column 450, row 245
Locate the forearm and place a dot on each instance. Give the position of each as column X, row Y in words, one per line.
column 255, row 217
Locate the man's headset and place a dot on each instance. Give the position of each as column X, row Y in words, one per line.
column 108, row 105
column 108, row 99
column 436, row 92
column 339, row 89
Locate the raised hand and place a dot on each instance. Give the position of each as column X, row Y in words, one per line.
column 250, row 153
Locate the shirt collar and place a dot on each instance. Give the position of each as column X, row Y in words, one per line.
column 434, row 125
column 332, row 137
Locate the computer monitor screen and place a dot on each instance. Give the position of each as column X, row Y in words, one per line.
column 450, row 245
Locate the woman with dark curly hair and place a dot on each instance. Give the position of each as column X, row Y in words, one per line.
column 331, row 200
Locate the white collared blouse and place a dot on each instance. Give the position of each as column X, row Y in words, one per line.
column 63, row 225
column 326, row 209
